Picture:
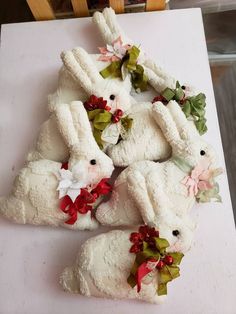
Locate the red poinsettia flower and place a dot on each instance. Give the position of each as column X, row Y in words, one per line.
column 95, row 102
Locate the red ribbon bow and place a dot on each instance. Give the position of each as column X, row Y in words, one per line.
column 144, row 269
column 83, row 202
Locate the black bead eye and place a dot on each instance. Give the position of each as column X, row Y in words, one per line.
column 112, row 97
column 202, row 152
column 93, row 162
column 183, row 87
column 175, row 233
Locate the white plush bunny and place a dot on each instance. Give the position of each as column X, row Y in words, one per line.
column 83, row 73
column 103, row 266
column 110, row 30
column 35, row 196
column 69, row 89
column 138, row 145
column 153, row 192
column 145, row 141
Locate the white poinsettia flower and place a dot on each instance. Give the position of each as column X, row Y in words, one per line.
column 111, row 133
column 71, row 182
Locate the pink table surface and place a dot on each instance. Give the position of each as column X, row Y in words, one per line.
column 32, row 258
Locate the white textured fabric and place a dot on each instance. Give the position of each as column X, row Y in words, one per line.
column 110, row 30
column 102, row 268
column 50, row 144
column 152, row 192
column 35, row 199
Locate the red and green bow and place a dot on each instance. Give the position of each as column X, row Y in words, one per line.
column 151, row 254
column 84, row 201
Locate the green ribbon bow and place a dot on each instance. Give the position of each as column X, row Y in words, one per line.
column 129, row 62
column 193, row 106
column 100, row 119
column 166, row 273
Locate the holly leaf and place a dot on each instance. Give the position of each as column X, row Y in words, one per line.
column 131, row 281
column 161, row 244
column 168, row 94
column 162, row 289
column 177, row 257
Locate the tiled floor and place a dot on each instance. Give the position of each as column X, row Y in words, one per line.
column 220, row 33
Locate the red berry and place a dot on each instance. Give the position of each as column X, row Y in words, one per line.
column 115, row 119
column 168, row 260
column 135, row 237
column 159, row 98
column 135, row 248
column 107, row 108
column 144, row 230
column 119, row 113
column 160, row 264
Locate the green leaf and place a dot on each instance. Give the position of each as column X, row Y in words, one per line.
column 168, row 94
column 177, row 85
column 92, row 113
column 161, row 244
column 179, row 94
column 127, row 123
column 165, row 275
column 177, row 257
column 186, row 108
column 133, row 54
column 139, row 79
column 134, row 267
column 162, row 289
column 97, row 135
column 174, row 271
column 113, row 70
column 131, row 281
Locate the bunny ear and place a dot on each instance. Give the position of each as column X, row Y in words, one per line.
column 83, row 70
column 66, row 125
column 109, row 27
column 81, row 123
column 187, row 130
column 157, row 77
column 87, row 64
column 165, row 121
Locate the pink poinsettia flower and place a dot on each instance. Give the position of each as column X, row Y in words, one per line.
column 114, row 52
column 199, row 179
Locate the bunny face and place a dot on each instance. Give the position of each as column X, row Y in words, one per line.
column 182, row 135
column 195, row 151
column 178, row 232
column 90, row 162
column 87, row 162
column 116, row 97
column 80, row 65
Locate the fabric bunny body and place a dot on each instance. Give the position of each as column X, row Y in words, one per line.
column 35, row 200
column 35, row 197
column 122, row 209
column 50, row 144
column 155, row 193
column 102, row 268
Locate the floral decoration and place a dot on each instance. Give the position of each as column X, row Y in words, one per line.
column 201, row 182
column 124, row 61
column 114, row 52
column 192, row 106
column 84, row 200
column 107, row 127
column 151, row 256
